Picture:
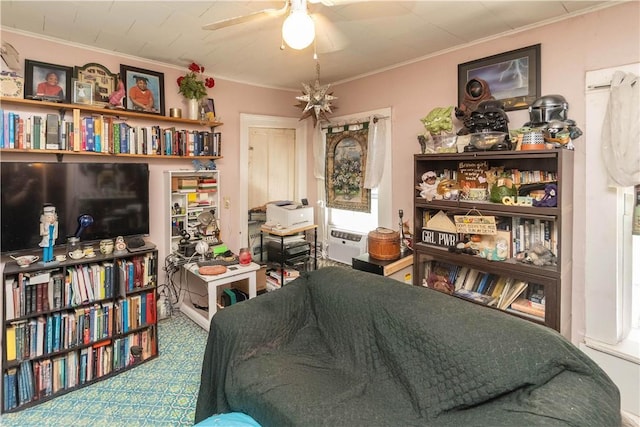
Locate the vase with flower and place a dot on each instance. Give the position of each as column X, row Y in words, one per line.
column 193, row 86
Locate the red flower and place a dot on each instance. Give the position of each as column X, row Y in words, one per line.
column 193, row 85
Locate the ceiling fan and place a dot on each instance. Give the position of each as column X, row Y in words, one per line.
column 298, row 29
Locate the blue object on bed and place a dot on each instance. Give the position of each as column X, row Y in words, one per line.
column 232, row 419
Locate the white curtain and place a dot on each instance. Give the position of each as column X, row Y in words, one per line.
column 376, row 153
column 621, row 131
column 318, row 153
column 319, row 149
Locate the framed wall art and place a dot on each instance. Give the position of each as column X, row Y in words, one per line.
column 82, row 92
column 345, row 171
column 145, row 90
column 104, row 81
column 210, row 107
column 513, row 77
column 49, row 82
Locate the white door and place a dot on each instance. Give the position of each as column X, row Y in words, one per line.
column 272, row 165
column 249, row 122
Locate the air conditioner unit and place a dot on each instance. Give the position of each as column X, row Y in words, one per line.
column 345, row 245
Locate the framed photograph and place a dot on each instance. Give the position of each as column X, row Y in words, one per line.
column 48, row 82
column 210, row 107
column 82, row 92
column 513, row 77
column 104, row 81
column 145, row 90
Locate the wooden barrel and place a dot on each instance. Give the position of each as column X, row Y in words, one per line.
column 384, row 244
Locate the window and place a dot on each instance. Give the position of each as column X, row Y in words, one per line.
column 612, row 255
column 362, row 222
column 381, row 212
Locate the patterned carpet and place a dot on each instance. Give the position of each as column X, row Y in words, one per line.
column 161, row 392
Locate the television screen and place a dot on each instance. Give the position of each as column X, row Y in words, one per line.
column 116, row 195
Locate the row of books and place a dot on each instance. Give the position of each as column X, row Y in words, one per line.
column 59, row 331
column 527, row 232
column 34, row 380
column 102, row 134
column 144, row 344
column 486, row 288
column 33, row 293
column 137, row 272
column 469, row 173
column 64, row 330
column 531, row 302
column 135, row 311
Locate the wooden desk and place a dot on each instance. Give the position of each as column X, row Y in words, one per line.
column 396, row 269
column 194, row 281
column 284, row 232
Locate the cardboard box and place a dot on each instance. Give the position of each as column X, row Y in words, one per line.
column 261, row 279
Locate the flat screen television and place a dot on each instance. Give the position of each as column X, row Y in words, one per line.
column 116, row 195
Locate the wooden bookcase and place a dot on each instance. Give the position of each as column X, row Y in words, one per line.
column 554, row 281
column 70, row 324
column 27, row 108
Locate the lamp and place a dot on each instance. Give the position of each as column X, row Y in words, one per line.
column 298, row 30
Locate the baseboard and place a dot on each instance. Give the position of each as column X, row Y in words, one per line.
column 624, row 374
column 630, row 420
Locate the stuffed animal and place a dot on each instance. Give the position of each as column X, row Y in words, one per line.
column 448, row 189
column 438, row 121
column 537, row 255
column 550, row 198
column 429, row 186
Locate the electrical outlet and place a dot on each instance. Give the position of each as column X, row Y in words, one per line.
column 227, row 202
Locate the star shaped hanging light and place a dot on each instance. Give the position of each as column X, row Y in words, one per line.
column 315, row 101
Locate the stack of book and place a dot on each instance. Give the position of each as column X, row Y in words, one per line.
column 504, row 293
column 274, row 277
column 207, row 184
column 187, row 185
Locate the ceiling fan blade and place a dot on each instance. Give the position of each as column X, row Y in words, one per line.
column 328, row 37
column 10, row 56
column 327, row 3
column 247, row 18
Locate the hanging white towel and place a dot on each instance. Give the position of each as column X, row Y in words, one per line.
column 621, row 131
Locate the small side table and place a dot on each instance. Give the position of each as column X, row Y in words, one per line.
column 234, row 273
column 282, row 233
column 399, row 269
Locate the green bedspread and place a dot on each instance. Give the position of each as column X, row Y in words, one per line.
column 342, row 347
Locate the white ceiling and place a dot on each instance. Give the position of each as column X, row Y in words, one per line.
column 354, row 38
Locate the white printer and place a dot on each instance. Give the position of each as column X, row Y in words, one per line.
column 289, row 215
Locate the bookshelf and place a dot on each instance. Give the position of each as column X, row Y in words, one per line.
column 149, row 135
column 546, row 289
column 187, row 195
column 70, row 324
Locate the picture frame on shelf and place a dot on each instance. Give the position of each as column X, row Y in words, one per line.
column 513, row 76
column 210, row 107
column 56, row 89
column 82, row 92
column 104, row 81
column 143, row 85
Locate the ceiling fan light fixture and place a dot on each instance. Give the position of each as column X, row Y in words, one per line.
column 298, row 30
